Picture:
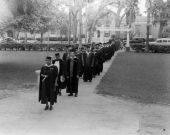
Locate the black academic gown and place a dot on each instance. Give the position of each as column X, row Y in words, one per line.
column 88, row 66
column 97, row 61
column 101, row 61
column 65, row 58
column 47, row 90
column 80, row 58
column 72, row 76
column 61, row 75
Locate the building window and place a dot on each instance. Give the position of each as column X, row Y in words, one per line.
column 107, row 34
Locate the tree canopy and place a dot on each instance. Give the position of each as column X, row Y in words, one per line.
column 160, row 14
column 41, row 15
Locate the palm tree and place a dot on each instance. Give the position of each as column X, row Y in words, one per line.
column 148, row 6
column 131, row 11
column 125, row 9
column 160, row 15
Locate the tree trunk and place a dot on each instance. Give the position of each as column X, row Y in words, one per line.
column 34, row 37
column 90, row 36
column 117, row 25
column 60, row 37
column 86, row 25
column 69, row 27
column 147, row 31
column 17, row 36
column 80, row 29
column 160, row 30
column 25, row 37
column 75, row 30
column 91, row 31
column 42, row 37
column 86, row 35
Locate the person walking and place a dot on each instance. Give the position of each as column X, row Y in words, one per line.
column 58, row 62
column 88, row 60
column 79, row 55
column 48, row 83
column 72, row 75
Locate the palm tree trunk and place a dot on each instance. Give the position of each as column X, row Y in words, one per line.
column 117, row 25
column 90, row 36
column 147, row 30
column 75, row 30
column 42, row 37
column 91, row 31
column 69, row 27
column 160, row 30
column 25, row 37
column 80, row 28
column 17, row 36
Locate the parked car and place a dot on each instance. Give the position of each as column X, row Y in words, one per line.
column 161, row 42
column 160, row 45
column 8, row 40
column 138, row 44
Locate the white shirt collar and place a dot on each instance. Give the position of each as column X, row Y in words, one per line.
column 48, row 65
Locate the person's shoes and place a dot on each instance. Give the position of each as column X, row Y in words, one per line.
column 76, row 95
column 70, row 95
column 46, row 107
column 51, row 107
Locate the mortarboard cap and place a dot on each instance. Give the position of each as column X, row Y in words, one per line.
column 48, row 58
column 57, row 54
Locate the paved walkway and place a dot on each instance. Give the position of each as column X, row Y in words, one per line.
column 88, row 114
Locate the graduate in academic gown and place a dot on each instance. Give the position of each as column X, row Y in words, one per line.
column 97, row 61
column 88, row 60
column 79, row 55
column 58, row 62
column 47, row 85
column 72, row 75
column 65, row 57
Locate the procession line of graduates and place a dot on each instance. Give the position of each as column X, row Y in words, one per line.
column 64, row 73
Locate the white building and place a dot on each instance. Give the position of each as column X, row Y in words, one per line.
column 138, row 30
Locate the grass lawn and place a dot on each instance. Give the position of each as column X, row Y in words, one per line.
column 143, row 77
column 17, row 68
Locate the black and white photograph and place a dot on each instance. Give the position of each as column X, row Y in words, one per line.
column 84, row 67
